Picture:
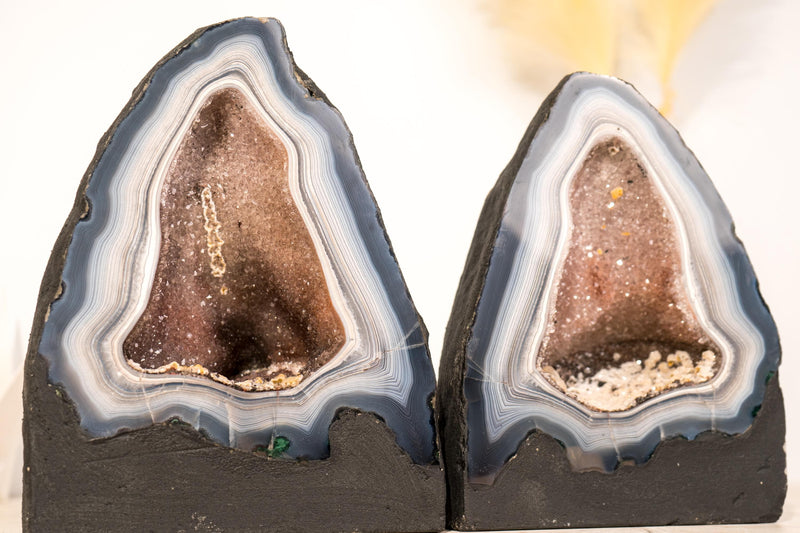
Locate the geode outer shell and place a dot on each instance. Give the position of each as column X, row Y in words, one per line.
column 79, row 386
column 494, row 391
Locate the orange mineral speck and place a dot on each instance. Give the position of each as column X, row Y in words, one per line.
column 617, row 193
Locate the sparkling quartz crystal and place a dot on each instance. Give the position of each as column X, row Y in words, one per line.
column 619, row 305
column 614, row 307
column 238, row 293
column 231, row 269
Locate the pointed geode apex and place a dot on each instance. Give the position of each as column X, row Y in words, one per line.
column 224, row 282
column 607, row 310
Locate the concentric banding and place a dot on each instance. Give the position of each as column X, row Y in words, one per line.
column 506, row 395
column 384, row 366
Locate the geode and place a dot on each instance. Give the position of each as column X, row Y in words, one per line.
column 609, row 360
column 223, row 315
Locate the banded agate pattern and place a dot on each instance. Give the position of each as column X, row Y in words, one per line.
column 619, row 307
column 231, row 270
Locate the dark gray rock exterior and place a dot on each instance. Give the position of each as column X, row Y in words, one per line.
column 715, row 478
column 170, row 477
column 451, row 404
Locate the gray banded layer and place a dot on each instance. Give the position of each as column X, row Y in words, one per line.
column 508, row 395
column 383, row 366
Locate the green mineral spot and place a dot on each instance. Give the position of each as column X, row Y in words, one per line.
column 276, row 448
column 279, row 446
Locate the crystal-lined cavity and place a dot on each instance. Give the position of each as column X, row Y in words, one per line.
column 616, row 308
column 233, row 271
column 622, row 328
column 238, row 293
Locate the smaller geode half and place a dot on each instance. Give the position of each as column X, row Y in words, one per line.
column 606, row 303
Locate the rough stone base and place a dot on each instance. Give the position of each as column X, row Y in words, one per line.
column 169, row 477
column 714, row 479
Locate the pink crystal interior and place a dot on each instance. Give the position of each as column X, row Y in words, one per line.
column 239, row 288
column 620, row 295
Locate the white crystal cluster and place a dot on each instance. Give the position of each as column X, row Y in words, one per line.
column 617, row 388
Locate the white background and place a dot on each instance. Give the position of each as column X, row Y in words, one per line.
column 436, row 111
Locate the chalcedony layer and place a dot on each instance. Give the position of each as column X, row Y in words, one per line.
column 354, row 340
column 571, row 306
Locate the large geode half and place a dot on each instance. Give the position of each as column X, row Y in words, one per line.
column 607, row 304
column 230, row 269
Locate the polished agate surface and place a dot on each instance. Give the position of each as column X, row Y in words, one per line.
column 231, row 270
column 619, row 308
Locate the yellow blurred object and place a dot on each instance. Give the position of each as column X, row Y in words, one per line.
column 547, row 39
column 669, row 24
column 581, row 32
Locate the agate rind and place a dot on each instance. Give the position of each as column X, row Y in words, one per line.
column 391, row 375
column 491, row 396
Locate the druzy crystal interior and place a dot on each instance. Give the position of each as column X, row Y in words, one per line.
column 619, row 308
column 621, row 327
column 231, row 270
column 238, row 293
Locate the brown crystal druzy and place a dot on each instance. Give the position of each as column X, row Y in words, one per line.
column 620, row 288
column 239, row 288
